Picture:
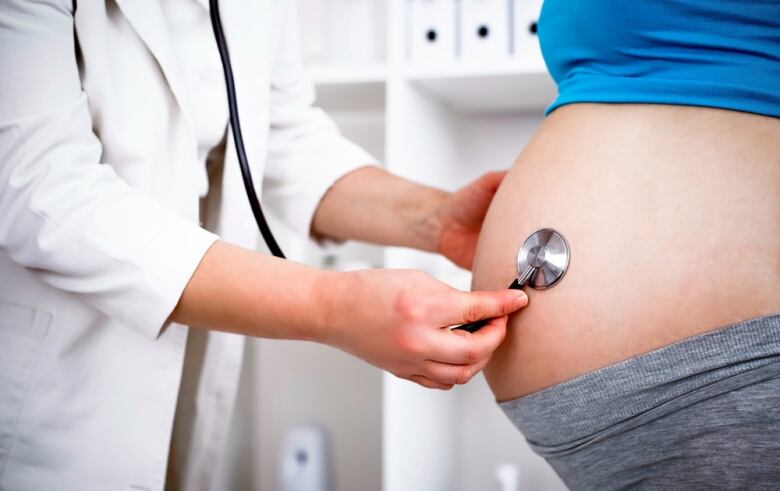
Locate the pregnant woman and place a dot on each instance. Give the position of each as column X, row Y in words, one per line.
column 655, row 362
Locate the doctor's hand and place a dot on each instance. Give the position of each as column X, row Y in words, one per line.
column 461, row 216
column 399, row 320
column 372, row 205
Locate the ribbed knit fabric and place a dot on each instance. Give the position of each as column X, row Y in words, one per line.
column 702, row 412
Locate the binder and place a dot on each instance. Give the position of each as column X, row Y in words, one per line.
column 485, row 29
column 350, row 31
column 431, row 30
column 526, row 41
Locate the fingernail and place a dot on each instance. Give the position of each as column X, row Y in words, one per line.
column 521, row 300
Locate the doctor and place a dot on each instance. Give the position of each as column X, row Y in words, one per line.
column 123, row 220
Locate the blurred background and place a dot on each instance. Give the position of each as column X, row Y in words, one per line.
column 441, row 91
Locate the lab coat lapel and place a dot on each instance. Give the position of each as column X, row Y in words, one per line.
column 249, row 22
column 148, row 20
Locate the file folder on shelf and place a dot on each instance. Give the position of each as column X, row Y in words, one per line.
column 431, row 30
column 484, row 29
column 526, row 41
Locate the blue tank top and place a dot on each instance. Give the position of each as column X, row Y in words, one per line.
column 716, row 53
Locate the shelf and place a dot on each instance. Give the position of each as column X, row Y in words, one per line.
column 471, row 88
column 348, row 74
column 503, row 87
column 458, row 69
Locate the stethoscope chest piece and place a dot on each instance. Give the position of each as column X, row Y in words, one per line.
column 541, row 263
column 547, row 254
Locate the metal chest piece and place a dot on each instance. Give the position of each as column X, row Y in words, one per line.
column 541, row 263
column 543, row 259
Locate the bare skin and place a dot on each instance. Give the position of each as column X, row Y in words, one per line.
column 673, row 218
column 396, row 320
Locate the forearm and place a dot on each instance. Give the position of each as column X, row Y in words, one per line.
column 243, row 292
column 372, row 205
column 393, row 319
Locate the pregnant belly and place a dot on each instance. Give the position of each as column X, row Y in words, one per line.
column 673, row 219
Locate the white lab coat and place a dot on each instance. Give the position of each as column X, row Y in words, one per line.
column 93, row 258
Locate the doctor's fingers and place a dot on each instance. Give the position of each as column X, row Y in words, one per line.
column 457, row 307
column 491, row 181
column 428, row 383
column 465, row 348
column 445, row 373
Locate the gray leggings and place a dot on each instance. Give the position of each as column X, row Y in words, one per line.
column 703, row 413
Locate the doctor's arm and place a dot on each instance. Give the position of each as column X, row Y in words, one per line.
column 396, row 320
column 73, row 223
column 321, row 184
column 374, row 206
column 66, row 216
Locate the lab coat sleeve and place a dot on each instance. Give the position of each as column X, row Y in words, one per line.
column 307, row 154
column 65, row 217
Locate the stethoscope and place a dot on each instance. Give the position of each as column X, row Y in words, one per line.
column 541, row 261
column 238, row 139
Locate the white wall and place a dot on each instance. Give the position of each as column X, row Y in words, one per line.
column 285, row 384
column 322, row 386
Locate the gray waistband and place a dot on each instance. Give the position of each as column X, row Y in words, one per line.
column 565, row 415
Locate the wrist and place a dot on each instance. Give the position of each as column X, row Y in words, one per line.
column 427, row 217
column 329, row 289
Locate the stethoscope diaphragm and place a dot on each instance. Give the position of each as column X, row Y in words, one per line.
column 546, row 253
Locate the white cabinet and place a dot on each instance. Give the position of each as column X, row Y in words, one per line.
column 443, row 124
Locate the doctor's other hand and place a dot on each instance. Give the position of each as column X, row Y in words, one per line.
column 400, row 321
column 461, row 217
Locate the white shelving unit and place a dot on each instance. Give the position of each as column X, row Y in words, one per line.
column 444, row 125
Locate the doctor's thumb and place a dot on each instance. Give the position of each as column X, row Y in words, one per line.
column 476, row 306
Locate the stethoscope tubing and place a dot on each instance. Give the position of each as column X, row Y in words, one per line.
column 238, row 138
